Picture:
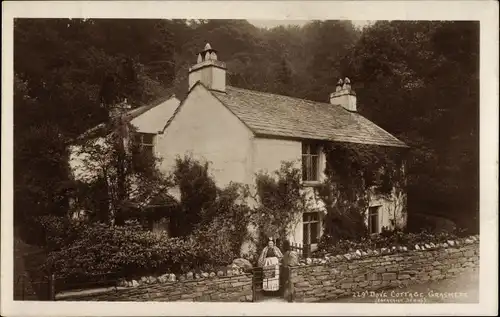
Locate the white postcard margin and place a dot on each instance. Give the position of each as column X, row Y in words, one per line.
column 484, row 11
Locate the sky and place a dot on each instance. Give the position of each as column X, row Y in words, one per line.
column 273, row 23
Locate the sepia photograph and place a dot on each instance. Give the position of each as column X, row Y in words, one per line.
column 246, row 160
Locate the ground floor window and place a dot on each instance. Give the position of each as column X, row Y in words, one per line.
column 310, row 223
column 373, row 220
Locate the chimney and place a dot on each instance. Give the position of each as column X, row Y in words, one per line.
column 344, row 95
column 120, row 108
column 210, row 71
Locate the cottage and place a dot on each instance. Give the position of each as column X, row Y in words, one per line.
column 241, row 132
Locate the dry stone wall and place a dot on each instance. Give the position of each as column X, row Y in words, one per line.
column 214, row 288
column 312, row 280
column 342, row 275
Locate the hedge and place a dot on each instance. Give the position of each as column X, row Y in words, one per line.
column 130, row 251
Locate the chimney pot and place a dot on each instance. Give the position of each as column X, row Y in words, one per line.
column 338, row 87
column 347, row 83
column 343, row 95
column 208, row 70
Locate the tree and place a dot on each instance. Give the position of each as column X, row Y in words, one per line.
column 114, row 174
column 59, row 67
column 283, row 78
column 420, row 81
column 197, row 193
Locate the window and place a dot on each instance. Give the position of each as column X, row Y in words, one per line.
column 310, row 162
column 373, row 226
column 310, row 223
column 146, row 141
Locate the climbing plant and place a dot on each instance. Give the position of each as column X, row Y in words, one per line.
column 282, row 201
column 353, row 173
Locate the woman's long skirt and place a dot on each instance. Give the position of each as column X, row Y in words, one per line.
column 271, row 270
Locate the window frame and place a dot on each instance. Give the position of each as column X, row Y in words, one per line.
column 310, row 175
column 143, row 144
column 308, row 224
column 373, row 212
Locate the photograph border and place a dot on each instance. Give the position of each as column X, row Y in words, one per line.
column 484, row 11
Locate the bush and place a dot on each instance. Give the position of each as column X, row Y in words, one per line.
column 386, row 239
column 131, row 251
column 213, row 245
column 282, row 201
column 58, row 232
column 214, row 226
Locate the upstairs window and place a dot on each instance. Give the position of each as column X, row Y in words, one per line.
column 310, row 162
column 373, row 223
column 146, row 141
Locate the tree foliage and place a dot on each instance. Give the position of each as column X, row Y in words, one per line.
column 281, row 202
column 420, row 81
column 113, row 174
column 207, row 210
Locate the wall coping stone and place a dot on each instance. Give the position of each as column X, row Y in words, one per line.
column 360, row 254
column 102, row 290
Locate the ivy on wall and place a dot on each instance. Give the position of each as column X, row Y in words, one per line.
column 354, row 172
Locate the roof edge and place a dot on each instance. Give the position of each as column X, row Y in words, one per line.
column 402, row 145
column 199, row 83
column 178, row 108
column 128, row 118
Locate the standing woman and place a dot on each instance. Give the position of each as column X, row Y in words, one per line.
column 269, row 260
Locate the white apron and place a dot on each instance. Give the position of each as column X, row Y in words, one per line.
column 271, row 274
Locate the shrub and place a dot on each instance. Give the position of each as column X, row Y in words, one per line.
column 130, row 251
column 282, row 201
column 58, row 232
column 213, row 245
column 198, row 192
column 386, row 239
column 212, row 223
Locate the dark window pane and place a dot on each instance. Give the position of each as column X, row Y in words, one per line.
column 304, row 148
column 314, row 216
column 305, row 228
column 373, row 220
column 137, row 139
column 147, row 138
column 314, row 232
column 314, row 148
column 304, row 167
column 148, row 152
column 314, row 168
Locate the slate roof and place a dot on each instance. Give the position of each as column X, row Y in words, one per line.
column 274, row 115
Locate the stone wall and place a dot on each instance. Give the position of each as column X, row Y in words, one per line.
column 218, row 288
column 343, row 275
